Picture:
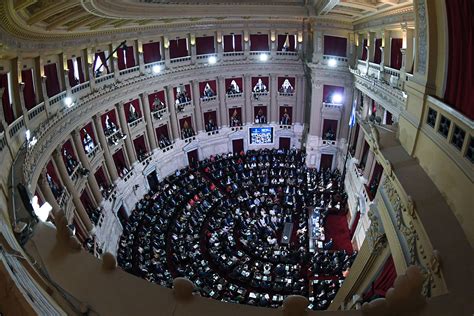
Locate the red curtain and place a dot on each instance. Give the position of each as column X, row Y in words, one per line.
column 130, row 54
column 100, row 60
column 136, row 105
column 86, row 201
column 67, row 146
column 238, row 112
column 292, row 81
column 193, row 157
column 259, row 42
column 329, row 91
column 89, row 131
column 211, row 83
column 81, row 71
column 378, row 52
column 29, row 89
column 52, row 80
column 459, row 92
column 383, row 282
column 237, row 145
column 160, row 95
column 288, row 110
column 162, row 130
column 396, row 53
column 185, row 120
column 330, row 125
column 388, row 119
column 335, row 46
column 355, row 223
column 151, row 52
column 52, row 172
column 210, row 116
column 364, row 50
column 238, row 81
column 112, row 117
column 121, row 59
column 119, row 160
column 178, row 48
column 70, row 73
column 232, row 43
column 101, row 178
column 139, row 144
column 376, row 175
column 187, row 87
column 264, row 80
column 291, row 45
column 263, row 109
column 7, row 107
column 205, row 45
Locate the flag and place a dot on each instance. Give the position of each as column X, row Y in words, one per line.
column 352, row 120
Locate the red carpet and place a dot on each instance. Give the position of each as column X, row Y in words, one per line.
column 336, row 228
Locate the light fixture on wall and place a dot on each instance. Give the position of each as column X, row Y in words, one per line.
column 263, row 57
column 166, row 42
column 212, row 60
column 156, row 69
column 332, row 62
column 272, row 36
column 300, row 37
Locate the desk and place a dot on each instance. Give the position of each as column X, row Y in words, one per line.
column 286, row 235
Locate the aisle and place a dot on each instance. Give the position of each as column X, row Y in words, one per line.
column 336, row 228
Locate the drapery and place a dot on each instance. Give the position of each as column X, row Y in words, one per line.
column 288, row 40
column 99, row 60
column 205, row 45
column 383, row 282
column 232, row 43
column 151, row 52
column 139, row 144
column 160, row 95
column 259, row 43
column 212, row 84
column 459, row 92
column 29, row 89
column 162, row 130
column 329, row 91
column 364, row 50
column 238, row 81
column 52, row 80
column 378, row 52
column 101, row 178
column 136, row 105
column 335, row 46
column 7, row 107
column 112, row 116
column 396, row 53
column 292, row 81
column 178, row 48
column 67, row 146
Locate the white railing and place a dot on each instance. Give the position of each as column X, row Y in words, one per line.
column 93, row 153
column 234, row 95
column 286, row 94
column 129, row 70
column 156, row 63
column 158, row 115
column 16, row 126
column 80, row 87
column 104, row 78
column 233, row 54
column 206, row 56
column 35, row 111
column 258, row 53
column 339, row 59
column 295, row 53
column 207, row 99
column 180, row 59
column 328, row 105
column 3, row 142
column 57, row 98
column 260, row 94
column 135, row 123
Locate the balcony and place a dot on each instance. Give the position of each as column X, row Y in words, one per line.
column 129, row 72
column 115, row 138
column 134, row 124
column 334, row 61
column 209, row 99
column 205, row 58
column 159, row 114
column 234, row 95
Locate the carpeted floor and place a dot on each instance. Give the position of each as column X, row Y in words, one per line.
column 337, row 229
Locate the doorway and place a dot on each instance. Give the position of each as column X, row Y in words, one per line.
column 237, row 145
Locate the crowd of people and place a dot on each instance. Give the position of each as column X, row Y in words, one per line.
column 236, row 225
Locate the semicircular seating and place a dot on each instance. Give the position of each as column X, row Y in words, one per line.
column 239, row 227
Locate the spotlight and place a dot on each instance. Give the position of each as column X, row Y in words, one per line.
column 156, row 69
column 336, row 98
column 68, row 101
column 263, row 57
column 332, row 62
column 212, row 60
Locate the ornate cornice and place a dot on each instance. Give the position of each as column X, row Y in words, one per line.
column 394, row 16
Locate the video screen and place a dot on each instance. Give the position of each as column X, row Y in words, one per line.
column 261, row 135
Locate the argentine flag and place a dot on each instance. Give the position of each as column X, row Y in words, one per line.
column 352, row 120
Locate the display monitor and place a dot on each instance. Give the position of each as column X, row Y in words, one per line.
column 261, row 135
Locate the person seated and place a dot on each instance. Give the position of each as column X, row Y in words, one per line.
column 260, row 117
column 157, row 105
column 210, row 126
column 286, row 87
column 208, row 92
column 187, row 131
column 330, row 135
column 235, row 119
column 164, row 141
column 133, row 115
column 260, row 87
column 285, row 118
column 182, row 98
column 110, row 126
column 87, row 142
column 233, row 88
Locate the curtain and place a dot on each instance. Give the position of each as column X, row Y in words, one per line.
column 130, row 54
column 81, row 71
column 162, row 130
column 112, row 117
column 388, row 118
column 378, row 52
column 288, row 110
column 119, row 160
column 121, row 58
column 52, row 172
column 185, row 120
column 329, row 91
column 29, row 89
column 101, row 178
column 292, row 81
column 329, row 125
column 210, row 116
column 335, row 46
column 211, row 83
column 395, row 53
column 70, row 73
column 383, row 282
column 178, row 48
column 101, row 60
column 281, row 42
column 292, row 39
column 52, row 80
column 67, row 146
column 237, row 145
column 364, row 50
column 264, row 80
column 89, row 131
column 459, row 92
column 205, row 45
column 136, row 105
column 238, row 43
column 151, row 52
column 7, row 107
column 259, row 42
column 86, row 201
column 232, row 43
column 238, row 81
column 238, row 112
column 139, row 144
column 160, row 95
column 262, row 108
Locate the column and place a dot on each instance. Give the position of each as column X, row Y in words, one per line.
column 317, row 45
column 368, row 164
column 298, row 109
column 247, row 111
column 192, row 41
column 386, row 47
column 109, row 161
column 81, row 211
column 371, row 43
column 273, row 117
column 24, row 111
column 409, row 51
column 316, row 103
column 197, row 106
column 166, row 49
column 86, row 164
column 141, row 60
column 48, row 194
column 115, row 68
column 172, row 110
column 38, row 73
column 62, row 70
column 224, row 113
column 148, row 121
column 128, row 141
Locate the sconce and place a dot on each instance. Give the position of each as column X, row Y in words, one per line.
column 272, row 36
column 166, row 42
column 140, row 47
column 219, row 37
column 192, row 39
column 300, row 37
column 246, row 36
